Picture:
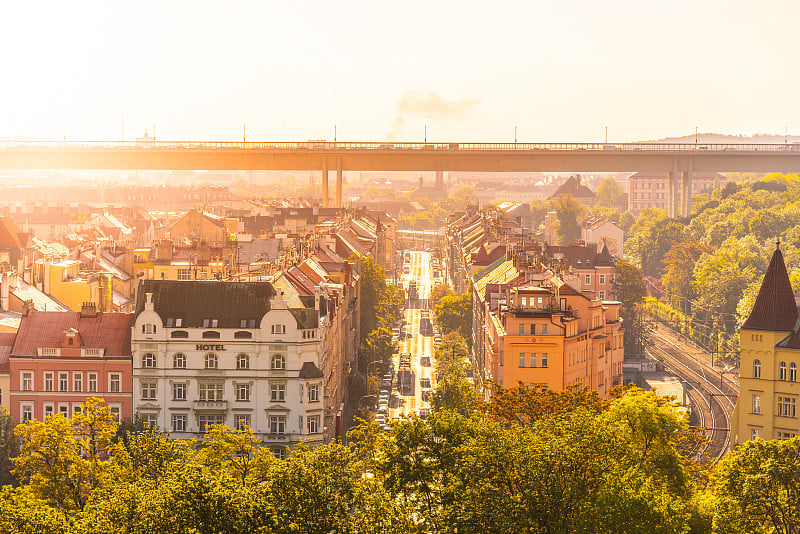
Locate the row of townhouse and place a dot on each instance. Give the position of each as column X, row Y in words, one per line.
column 541, row 313
column 275, row 353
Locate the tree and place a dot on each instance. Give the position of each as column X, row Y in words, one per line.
column 539, row 210
column 609, row 191
column 373, row 282
column 377, row 347
column 626, row 220
column 630, row 291
column 756, row 488
column 466, row 196
column 237, row 452
column 63, row 460
column 439, row 291
column 454, row 314
column 9, row 448
column 452, row 356
column 454, row 393
column 569, row 213
column 679, row 265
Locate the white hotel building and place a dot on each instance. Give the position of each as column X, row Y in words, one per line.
column 227, row 352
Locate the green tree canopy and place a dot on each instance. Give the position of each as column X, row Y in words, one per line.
column 569, row 213
column 608, row 191
column 454, row 314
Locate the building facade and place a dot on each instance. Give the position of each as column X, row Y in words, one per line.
column 228, row 353
column 59, row 359
column 650, row 189
column 770, row 355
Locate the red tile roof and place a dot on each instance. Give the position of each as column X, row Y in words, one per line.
column 111, row 331
column 775, row 307
column 9, row 234
column 6, row 342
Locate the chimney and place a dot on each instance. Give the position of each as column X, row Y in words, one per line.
column 4, row 282
column 88, row 309
column 420, row 182
column 148, row 302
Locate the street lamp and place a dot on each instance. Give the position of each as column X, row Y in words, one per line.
column 515, row 135
column 695, row 135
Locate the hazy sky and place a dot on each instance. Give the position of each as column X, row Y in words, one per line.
column 559, row 70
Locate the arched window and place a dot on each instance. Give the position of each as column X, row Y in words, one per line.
column 242, row 335
column 756, row 368
column 278, row 362
column 211, row 361
column 210, row 334
column 782, row 371
column 243, row 361
column 179, row 333
column 179, row 361
column 793, row 372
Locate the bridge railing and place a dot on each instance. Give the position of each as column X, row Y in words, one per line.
column 359, row 146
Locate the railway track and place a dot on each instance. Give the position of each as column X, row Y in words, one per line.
column 713, row 401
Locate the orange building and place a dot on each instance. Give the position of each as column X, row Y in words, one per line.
column 559, row 336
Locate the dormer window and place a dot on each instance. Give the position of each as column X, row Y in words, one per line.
column 174, row 322
column 71, row 341
column 210, row 323
column 279, row 329
column 148, row 329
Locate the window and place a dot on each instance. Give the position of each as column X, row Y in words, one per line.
column 533, row 359
column 786, row 435
column 77, row 382
column 179, row 361
column 214, row 323
column 786, row 407
column 522, row 359
column 782, row 371
column 179, row 391
column 27, row 413
column 278, row 362
column 279, row 329
column 211, row 392
column 92, row 382
column 544, row 329
column 313, row 393
column 533, row 329
column 63, row 382
column 756, row 368
column 206, row 420
column 521, row 329
column 241, row 334
column 148, row 329
column 48, row 410
column 242, row 421
column 792, row 372
column 243, row 361
column 211, row 361
column 279, row 452
column 114, row 410
column 242, row 392
column 149, row 361
column 211, row 334
column 27, row 381
column 602, row 295
column 756, row 404
column 588, row 278
column 184, row 274
column 113, row 382
column 313, row 424
column 544, row 359
column 148, row 390
column 277, row 392
column 151, row 419
column 48, row 382
column 602, row 279
column 64, row 410
column 179, row 321
column 179, row 422
column 179, row 334
column 277, row 424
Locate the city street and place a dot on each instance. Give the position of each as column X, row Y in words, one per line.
column 414, row 342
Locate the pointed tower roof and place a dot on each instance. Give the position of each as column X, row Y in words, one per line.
column 775, row 308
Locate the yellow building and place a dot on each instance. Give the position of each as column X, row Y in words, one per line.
column 770, row 355
column 65, row 282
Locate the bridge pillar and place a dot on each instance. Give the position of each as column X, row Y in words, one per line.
column 672, row 200
column 686, row 193
column 339, row 184
column 325, row 195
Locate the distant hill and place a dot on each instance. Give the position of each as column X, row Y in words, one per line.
column 715, row 138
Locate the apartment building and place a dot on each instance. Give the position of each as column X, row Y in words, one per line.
column 770, row 355
column 650, row 190
column 59, row 359
column 230, row 353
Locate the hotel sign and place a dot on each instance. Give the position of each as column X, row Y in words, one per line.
column 209, row 347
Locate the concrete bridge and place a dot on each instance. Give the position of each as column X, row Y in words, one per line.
column 678, row 160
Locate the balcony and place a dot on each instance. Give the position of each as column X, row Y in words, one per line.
column 210, row 406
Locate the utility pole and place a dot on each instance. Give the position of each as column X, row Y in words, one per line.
column 606, row 134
